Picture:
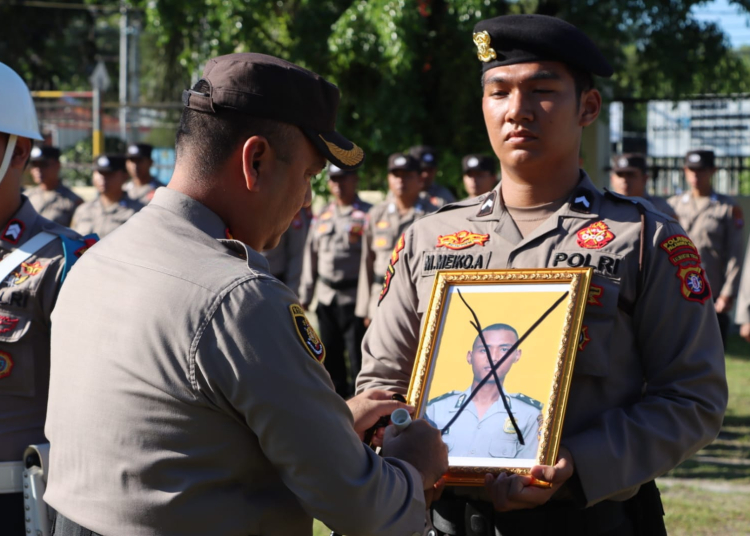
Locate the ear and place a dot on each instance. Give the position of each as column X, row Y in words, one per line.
column 591, row 105
column 255, row 156
column 518, row 356
column 468, row 357
column 21, row 153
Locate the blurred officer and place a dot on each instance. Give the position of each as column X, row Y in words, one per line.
column 50, row 197
column 428, row 163
column 386, row 222
column 194, row 401
column 649, row 386
column 629, row 177
column 36, row 256
column 332, row 255
column 484, row 429
column 285, row 260
column 742, row 314
column 714, row 223
column 142, row 185
column 112, row 207
column 480, row 174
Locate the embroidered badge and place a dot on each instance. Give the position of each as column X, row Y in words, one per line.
column 390, row 271
column 88, row 242
column 355, row 232
column 595, row 292
column 8, row 324
column 13, row 231
column 6, row 364
column 595, row 236
column 508, row 426
column 584, row 339
column 31, row 268
column 307, row 335
column 380, row 242
column 684, row 255
column 462, row 240
column 323, row 228
column 485, row 52
column 382, row 224
column 327, row 215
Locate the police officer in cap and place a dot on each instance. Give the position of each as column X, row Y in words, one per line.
column 435, row 193
column 480, row 174
column 714, row 222
column 112, row 207
column 50, row 197
column 142, row 185
column 330, row 270
column 194, row 400
column 648, row 388
column 629, row 177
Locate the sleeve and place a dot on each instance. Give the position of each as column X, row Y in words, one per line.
column 295, row 251
column 682, row 404
column 743, row 295
column 366, row 264
column 251, row 361
column 734, row 252
column 390, row 344
column 309, row 269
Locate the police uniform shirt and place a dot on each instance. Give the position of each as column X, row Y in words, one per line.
column 57, row 205
column 285, row 260
column 384, row 228
column 95, row 217
column 742, row 312
column 438, row 195
column 144, row 193
column 492, row 435
column 715, row 226
column 649, row 386
column 27, row 297
column 332, row 254
column 661, row 205
column 192, row 402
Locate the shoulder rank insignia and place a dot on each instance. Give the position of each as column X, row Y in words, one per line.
column 487, row 205
column 595, row 236
column 460, row 401
column 307, row 335
column 582, row 201
column 442, row 397
column 530, row 401
column 13, row 231
column 6, row 365
column 461, row 240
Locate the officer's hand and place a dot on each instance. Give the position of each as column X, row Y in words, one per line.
column 518, row 492
column 420, row 445
column 745, row 332
column 723, row 304
column 369, row 406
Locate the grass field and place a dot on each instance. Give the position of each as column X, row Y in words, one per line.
column 709, row 495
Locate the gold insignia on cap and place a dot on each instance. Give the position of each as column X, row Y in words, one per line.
column 350, row 157
column 485, row 52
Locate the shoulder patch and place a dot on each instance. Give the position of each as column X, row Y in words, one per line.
column 307, row 335
column 391, row 271
column 684, row 255
column 73, row 249
column 442, row 397
column 530, row 401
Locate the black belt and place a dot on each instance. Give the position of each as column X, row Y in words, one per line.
column 344, row 284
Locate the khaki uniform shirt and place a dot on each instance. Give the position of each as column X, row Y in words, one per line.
column 27, row 297
column 661, row 205
column 717, row 232
column 332, row 254
column 191, row 404
column 142, row 194
column 438, row 195
column 384, row 227
column 57, row 205
column 492, row 435
column 649, row 386
column 94, row 217
column 285, row 260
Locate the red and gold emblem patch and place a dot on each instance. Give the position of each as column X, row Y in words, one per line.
column 307, row 335
column 595, row 236
column 6, row 364
column 684, row 255
column 391, row 271
column 462, row 240
column 88, row 242
column 595, row 292
column 584, row 339
column 8, row 324
column 32, row 268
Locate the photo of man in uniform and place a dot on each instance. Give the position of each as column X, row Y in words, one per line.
column 484, row 428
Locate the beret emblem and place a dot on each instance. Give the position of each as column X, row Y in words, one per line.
column 485, row 52
column 349, row 157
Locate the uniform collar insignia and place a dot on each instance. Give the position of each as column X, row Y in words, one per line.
column 488, row 204
column 582, row 201
column 13, row 231
column 460, row 400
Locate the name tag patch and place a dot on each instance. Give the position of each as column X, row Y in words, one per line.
column 608, row 265
column 432, row 262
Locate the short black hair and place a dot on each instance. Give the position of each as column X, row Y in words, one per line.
column 210, row 139
column 497, row 327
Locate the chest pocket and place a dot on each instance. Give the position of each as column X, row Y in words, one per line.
column 596, row 339
column 325, row 233
column 16, row 355
column 504, row 447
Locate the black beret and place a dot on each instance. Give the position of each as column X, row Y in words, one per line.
column 140, row 150
column 629, row 161
column 45, row 152
column 402, row 162
column 478, row 162
column 427, row 156
column 110, row 162
column 700, row 159
column 270, row 88
column 512, row 39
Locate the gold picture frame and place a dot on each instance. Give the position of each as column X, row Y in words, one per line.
column 505, row 305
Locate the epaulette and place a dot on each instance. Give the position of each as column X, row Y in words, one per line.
column 73, row 249
column 474, row 201
column 637, row 202
column 530, row 401
column 441, row 397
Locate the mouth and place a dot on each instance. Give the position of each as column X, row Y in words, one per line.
column 520, row 136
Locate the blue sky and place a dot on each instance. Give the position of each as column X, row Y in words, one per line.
column 731, row 18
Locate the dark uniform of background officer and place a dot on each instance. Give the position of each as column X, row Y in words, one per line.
column 50, row 197
column 142, row 184
column 437, row 194
column 629, row 177
column 649, row 387
column 480, row 174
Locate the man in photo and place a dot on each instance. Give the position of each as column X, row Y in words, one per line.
column 484, row 428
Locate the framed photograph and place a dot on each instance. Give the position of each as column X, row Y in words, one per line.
column 488, row 332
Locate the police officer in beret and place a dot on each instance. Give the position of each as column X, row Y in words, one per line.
column 648, row 388
column 480, row 174
column 193, row 400
column 386, row 223
column 435, row 193
column 330, row 271
column 629, row 177
column 484, row 428
column 112, row 207
column 50, row 197
column 142, row 184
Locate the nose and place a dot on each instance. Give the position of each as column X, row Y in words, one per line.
column 519, row 109
column 308, row 196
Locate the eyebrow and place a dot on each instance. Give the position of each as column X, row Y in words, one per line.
column 539, row 75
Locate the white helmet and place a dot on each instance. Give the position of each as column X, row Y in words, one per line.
column 17, row 113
